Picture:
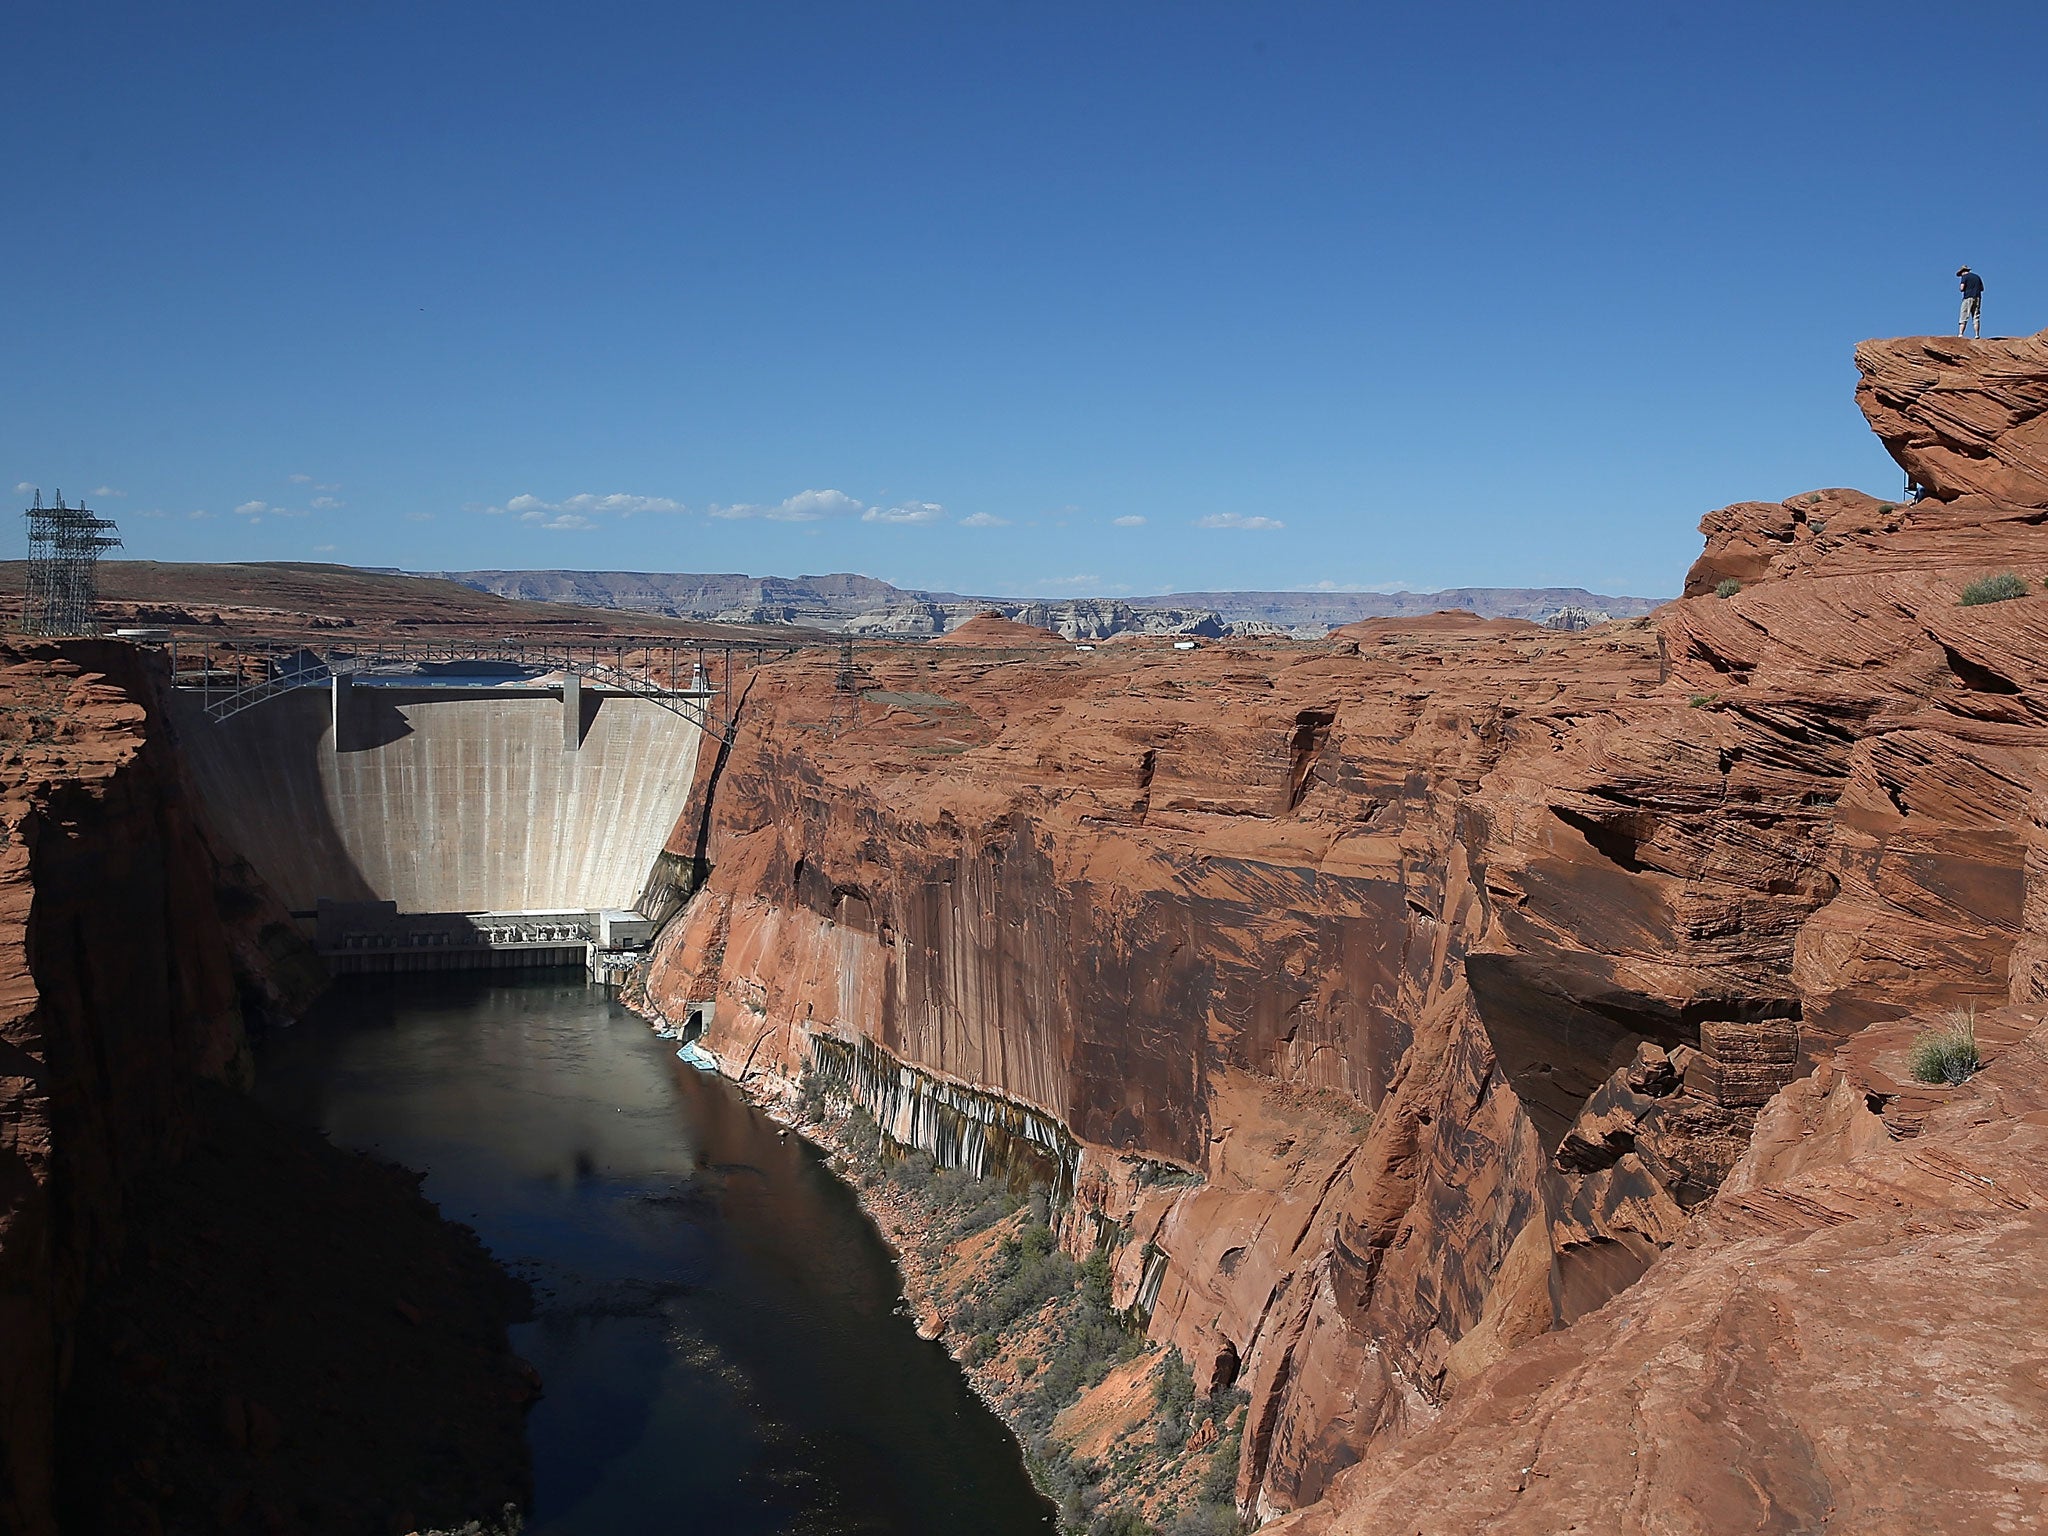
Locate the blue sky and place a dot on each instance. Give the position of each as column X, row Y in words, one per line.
column 1012, row 298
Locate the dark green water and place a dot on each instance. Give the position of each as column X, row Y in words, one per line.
column 716, row 1322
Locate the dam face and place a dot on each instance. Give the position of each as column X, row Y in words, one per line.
column 446, row 800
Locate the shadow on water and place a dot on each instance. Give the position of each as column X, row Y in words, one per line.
column 715, row 1321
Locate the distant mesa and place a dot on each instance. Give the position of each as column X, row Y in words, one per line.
column 862, row 605
column 1452, row 621
column 993, row 629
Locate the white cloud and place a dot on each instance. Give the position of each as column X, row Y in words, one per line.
column 585, row 506
column 1327, row 585
column 803, row 507
column 984, row 520
column 809, row 506
column 198, row 513
column 1133, row 521
column 325, row 549
column 327, row 503
column 301, row 479
column 1237, row 520
column 23, row 488
column 252, row 509
column 109, row 492
column 555, row 521
column 419, row 517
column 905, row 512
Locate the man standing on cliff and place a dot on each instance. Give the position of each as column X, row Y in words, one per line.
column 1973, row 302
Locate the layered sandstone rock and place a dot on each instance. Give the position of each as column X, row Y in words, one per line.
column 1457, row 960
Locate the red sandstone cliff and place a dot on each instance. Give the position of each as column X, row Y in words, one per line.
column 1562, row 914
column 197, row 1323
column 118, row 993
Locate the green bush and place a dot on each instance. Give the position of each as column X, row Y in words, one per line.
column 863, row 1138
column 1994, row 589
column 972, row 1205
column 810, row 1093
column 1728, row 586
column 913, row 1171
column 1207, row 1519
column 1028, row 1272
column 1174, row 1393
column 1124, row 1522
column 1947, row 1053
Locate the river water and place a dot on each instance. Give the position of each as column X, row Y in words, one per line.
column 716, row 1323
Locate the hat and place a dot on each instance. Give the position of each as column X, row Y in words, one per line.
column 1961, row 270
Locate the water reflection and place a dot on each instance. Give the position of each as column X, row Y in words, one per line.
column 716, row 1322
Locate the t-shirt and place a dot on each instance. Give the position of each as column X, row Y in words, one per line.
column 1973, row 286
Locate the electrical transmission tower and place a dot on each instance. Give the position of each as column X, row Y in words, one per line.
column 64, row 545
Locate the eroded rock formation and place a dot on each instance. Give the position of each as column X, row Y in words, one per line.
column 197, row 1306
column 1459, row 959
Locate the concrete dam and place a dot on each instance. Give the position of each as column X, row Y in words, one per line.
column 417, row 827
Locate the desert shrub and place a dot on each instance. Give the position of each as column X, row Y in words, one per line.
column 971, row 1205
column 863, row 1138
column 1701, row 701
column 1122, row 1522
column 1207, row 1519
column 979, row 1348
column 1029, row 1270
column 1092, row 1338
column 1174, row 1393
column 1219, row 1478
column 810, row 1093
column 1728, row 586
column 1069, row 1482
column 1947, row 1053
column 913, row 1170
column 1994, row 589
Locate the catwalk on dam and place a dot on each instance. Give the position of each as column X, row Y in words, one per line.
column 717, row 1326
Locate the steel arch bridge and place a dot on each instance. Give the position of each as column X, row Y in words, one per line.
column 691, row 678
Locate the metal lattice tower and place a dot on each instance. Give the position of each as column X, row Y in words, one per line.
column 64, row 545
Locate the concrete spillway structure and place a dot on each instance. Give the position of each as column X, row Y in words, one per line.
column 447, row 799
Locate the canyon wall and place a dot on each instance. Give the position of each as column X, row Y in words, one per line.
column 1457, row 958
column 445, row 802
column 209, row 1320
column 121, row 992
